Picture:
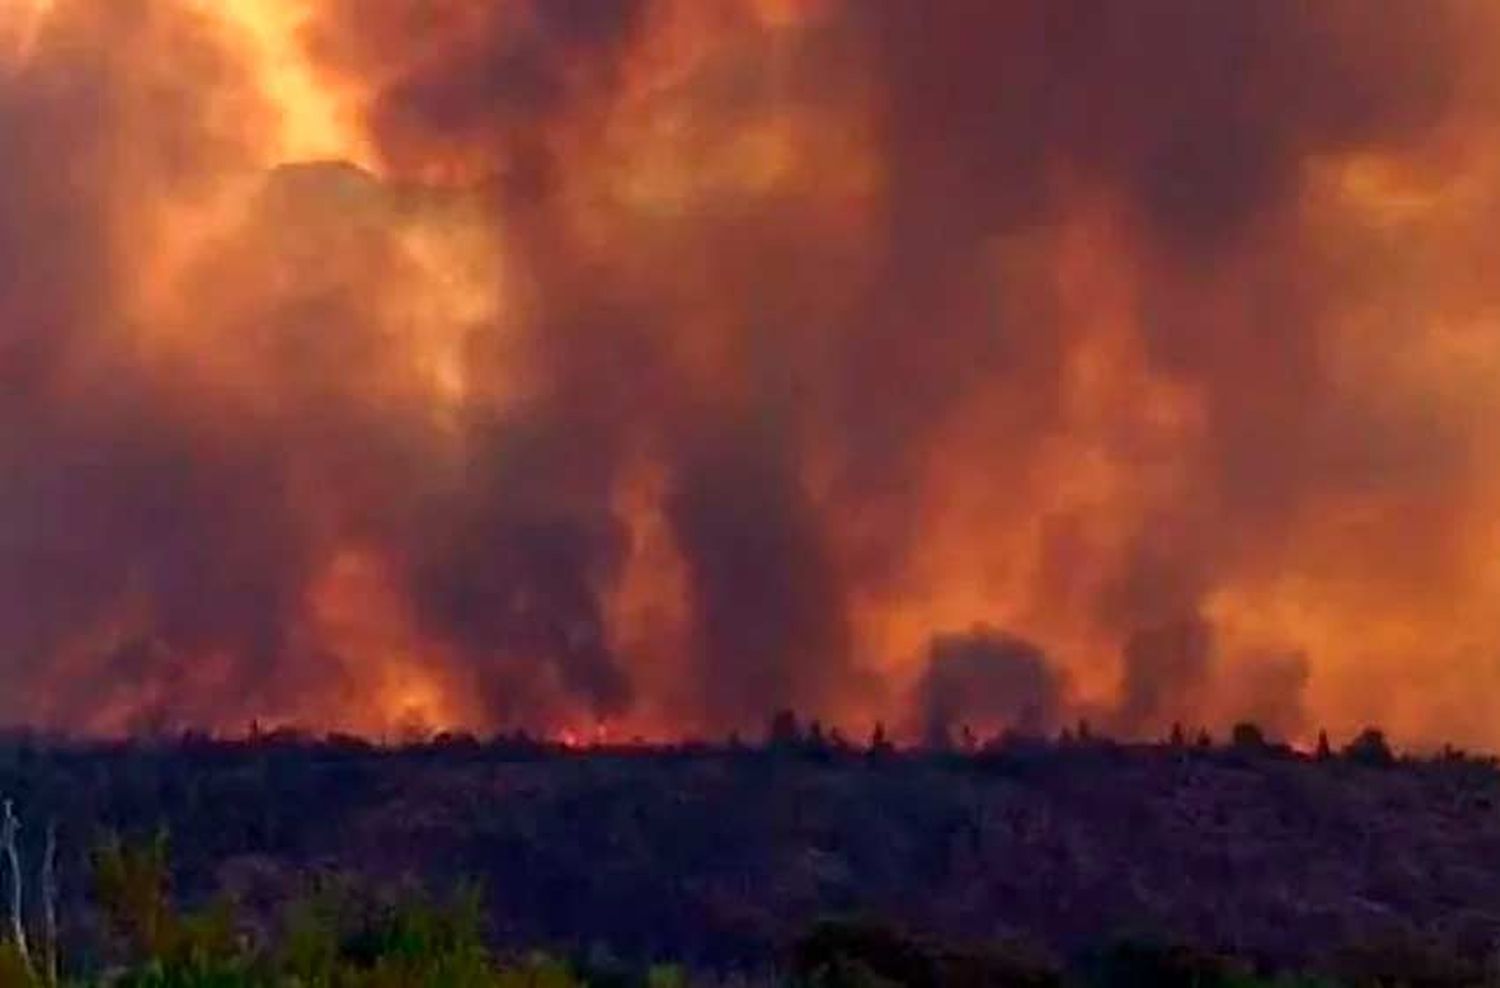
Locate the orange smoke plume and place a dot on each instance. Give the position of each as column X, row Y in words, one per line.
column 636, row 368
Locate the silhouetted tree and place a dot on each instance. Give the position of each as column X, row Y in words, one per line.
column 880, row 744
column 815, row 745
column 1324, row 750
column 1177, row 738
column 1370, row 748
column 784, row 730
column 450, row 742
column 1247, row 737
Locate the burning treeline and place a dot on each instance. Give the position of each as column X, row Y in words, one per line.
column 654, row 364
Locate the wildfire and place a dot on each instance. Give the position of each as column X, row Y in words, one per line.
column 641, row 368
column 582, row 740
column 317, row 116
column 395, row 681
column 20, row 24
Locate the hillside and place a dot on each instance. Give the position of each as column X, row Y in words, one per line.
column 718, row 856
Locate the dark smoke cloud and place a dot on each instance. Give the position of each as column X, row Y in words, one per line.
column 987, row 681
column 1203, row 115
column 105, row 498
column 1174, row 673
column 477, row 84
column 1166, row 668
column 770, row 611
column 797, row 382
column 520, row 567
column 1269, row 690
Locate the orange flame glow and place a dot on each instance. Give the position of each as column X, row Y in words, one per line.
column 633, row 369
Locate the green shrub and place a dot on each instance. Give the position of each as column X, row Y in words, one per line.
column 14, row 971
column 330, row 941
column 131, row 888
column 171, row 949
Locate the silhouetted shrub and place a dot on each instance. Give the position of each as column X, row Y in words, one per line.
column 168, row 947
column 132, row 886
column 858, row 954
column 1405, row 961
column 717, row 856
column 1370, row 748
column 1144, row 964
column 1247, row 737
column 816, row 744
column 328, row 942
column 784, row 730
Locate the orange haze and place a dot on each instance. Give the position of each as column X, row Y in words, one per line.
column 637, row 367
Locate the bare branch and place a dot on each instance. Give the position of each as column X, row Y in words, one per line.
column 49, row 905
column 10, row 828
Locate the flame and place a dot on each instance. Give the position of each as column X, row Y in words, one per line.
column 396, row 681
column 549, row 364
column 317, row 118
column 20, row 24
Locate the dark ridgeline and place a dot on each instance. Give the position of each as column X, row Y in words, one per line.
column 719, row 853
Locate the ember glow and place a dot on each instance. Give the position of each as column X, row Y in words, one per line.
column 638, row 367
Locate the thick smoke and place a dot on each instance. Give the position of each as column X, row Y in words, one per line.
column 660, row 363
column 985, row 682
column 1166, row 669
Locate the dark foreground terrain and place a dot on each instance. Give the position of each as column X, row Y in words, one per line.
column 719, row 857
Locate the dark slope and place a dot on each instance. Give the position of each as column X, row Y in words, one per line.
column 719, row 855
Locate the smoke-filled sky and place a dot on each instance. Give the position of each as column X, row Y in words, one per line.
column 644, row 366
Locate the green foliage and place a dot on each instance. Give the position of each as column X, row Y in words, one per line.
column 170, row 948
column 131, row 885
column 14, row 971
column 157, row 973
column 329, row 941
column 338, row 940
column 415, row 943
column 537, row 971
column 666, row 976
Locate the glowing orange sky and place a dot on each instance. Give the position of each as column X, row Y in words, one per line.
column 659, row 362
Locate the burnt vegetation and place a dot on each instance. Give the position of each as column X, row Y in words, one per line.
column 1241, row 858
